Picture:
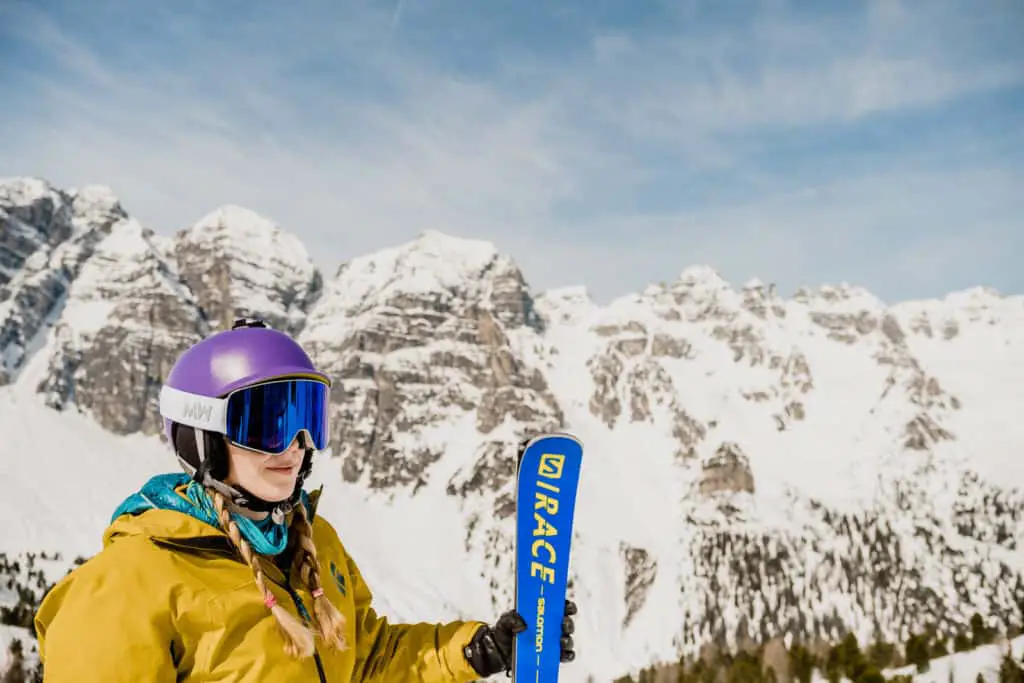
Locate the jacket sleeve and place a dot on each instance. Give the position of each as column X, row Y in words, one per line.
column 105, row 623
column 394, row 653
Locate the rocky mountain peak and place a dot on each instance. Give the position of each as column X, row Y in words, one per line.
column 701, row 276
column 975, row 295
column 985, row 304
column 842, row 296
column 45, row 237
column 701, row 282
column 126, row 319
column 34, row 217
column 847, row 313
column 700, row 293
column 437, row 271
column 763, row 300
column 237, row 261
column 433, row 262
column 471, row 252
column 19, row 195
column 95, row 207
column 237, row 225
column 423, row 333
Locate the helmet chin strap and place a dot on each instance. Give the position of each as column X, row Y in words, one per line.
column 241, row 499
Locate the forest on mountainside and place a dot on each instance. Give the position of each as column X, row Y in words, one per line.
column 845, row 660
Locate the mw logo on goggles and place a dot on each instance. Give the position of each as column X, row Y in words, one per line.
column 200, row 412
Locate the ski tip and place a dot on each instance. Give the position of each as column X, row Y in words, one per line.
column 526, row 443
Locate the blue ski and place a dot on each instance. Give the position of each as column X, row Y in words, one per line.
column 546, row 481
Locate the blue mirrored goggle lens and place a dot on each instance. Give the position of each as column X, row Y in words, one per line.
column 269, row 416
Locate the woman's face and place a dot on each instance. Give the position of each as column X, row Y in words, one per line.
column 271, row 477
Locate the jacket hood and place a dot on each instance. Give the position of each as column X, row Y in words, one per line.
column 156, row 523
column 175, row 507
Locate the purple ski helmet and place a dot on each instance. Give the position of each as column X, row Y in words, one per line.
column 248, row 354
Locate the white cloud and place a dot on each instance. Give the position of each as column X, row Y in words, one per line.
column 335, row 128
column 782, row 73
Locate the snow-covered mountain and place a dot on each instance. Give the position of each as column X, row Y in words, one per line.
column 755, row 465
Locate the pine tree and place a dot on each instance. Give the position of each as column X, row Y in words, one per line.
column 917, row 652
column 745, row 668
column 938, row 649
column 16, row 672
column 700, row 672
column 870, row 675
column 801, row 663
column 980, row 634
column 1009, row 670
column 881, row 654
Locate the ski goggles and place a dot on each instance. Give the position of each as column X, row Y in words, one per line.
column 266, row 417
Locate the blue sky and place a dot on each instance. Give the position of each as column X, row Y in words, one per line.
column 609, row 144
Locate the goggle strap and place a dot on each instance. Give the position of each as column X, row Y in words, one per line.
column 200, row 412
column 200, row 445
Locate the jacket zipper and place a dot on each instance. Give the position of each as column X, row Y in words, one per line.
column 305, row 615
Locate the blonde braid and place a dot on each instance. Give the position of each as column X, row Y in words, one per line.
column 329, row 621
column 298, row 640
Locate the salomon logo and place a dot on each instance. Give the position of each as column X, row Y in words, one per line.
column 198, row 412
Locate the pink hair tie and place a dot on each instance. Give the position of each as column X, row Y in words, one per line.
column 318, row 592
column 269, row 600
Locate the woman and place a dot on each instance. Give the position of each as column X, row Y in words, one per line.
column 226, row 572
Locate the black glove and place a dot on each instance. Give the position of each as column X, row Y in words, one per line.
column 490, row 650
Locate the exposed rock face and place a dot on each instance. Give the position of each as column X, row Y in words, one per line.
column 847, row 313
column 126, row 320
column 641, row 570
column 728, row 471
column 34, row 216
column 237, row 262
column 45, row 236
column 763, row 300
column 423, row 336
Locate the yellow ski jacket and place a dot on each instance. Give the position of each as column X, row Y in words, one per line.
column 168, row 599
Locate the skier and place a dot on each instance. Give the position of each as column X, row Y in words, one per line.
column 171, row 597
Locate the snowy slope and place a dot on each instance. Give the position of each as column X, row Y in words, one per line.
column 756, row 465
column 981, row 663
column 70, row 473
column 965, row 667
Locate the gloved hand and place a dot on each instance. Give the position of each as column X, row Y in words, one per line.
column 490, row 651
